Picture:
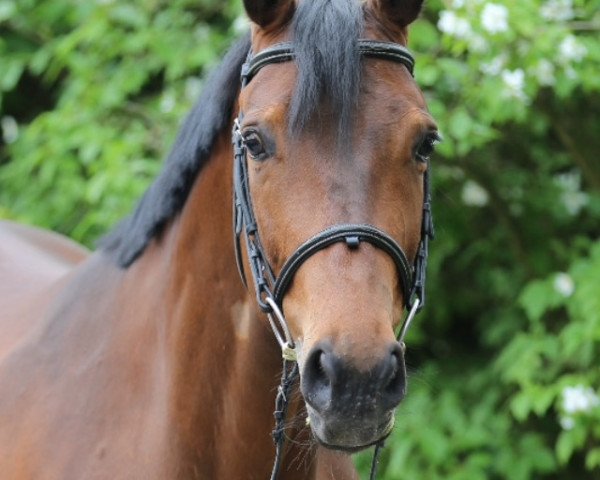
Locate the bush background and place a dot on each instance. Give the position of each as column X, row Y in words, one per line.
column 505, row 359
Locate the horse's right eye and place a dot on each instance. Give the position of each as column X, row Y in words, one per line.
column 254, row 146
column 427, row 145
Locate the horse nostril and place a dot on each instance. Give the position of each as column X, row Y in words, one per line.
column 317, row 377
column 319, row 370
column 394, row 376
column 392, row 369
column 328, row 367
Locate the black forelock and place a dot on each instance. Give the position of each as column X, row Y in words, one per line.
column 191, row 150
column 325, row 34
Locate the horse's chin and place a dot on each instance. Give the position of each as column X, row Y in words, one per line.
column 347, row 449
column 350, row 435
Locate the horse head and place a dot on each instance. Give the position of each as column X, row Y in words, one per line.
column 335, row 140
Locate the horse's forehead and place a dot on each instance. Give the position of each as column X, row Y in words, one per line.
column 390, row 84
column 271, row 90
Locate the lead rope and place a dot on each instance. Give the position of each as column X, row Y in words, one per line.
column 288, row 376
column 375, row 461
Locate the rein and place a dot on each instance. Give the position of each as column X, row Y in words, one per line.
column 270, row 289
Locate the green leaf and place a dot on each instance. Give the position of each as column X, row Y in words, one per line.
column 592, row 459
column 10, row 73
column 7, row 10
column 568, row 442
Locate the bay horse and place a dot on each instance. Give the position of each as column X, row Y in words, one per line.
column 150, row 359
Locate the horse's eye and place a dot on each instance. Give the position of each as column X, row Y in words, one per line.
column 254, row 145
column 427, row 146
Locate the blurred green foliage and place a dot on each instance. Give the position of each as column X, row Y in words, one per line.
column 507, row 355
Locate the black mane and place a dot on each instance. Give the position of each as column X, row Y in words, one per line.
column 325, row 35
column 167, row 195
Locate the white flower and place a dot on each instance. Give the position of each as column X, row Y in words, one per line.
column 570, row 73
column 495, row 66
column 494, row 18
column 202, row 33
column 571, row 50
column 454, row 25
column 10, row 129
column 579, row 399
column 514, row 81
column 574, row 201
column 567, row 423
column 544, row 72
column 478, row 44
column 458, row 3
column 572, row 197
column 241, row 24
column 570, row 181
column 193, row 86
column 563, row 284
column 474, row 195
column 167, row 103
column 559, row 10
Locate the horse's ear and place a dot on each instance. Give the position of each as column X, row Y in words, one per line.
column 401, row 12
column 269, row 14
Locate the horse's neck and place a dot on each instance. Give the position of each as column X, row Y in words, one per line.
column 222, row 360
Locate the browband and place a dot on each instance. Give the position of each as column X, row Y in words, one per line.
column 284, row 52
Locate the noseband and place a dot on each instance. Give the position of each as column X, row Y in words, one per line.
column 271, row 289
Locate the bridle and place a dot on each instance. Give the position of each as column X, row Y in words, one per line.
column 270, row 288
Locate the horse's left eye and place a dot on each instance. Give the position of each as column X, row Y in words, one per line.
column 427, row 146
column 254, row 145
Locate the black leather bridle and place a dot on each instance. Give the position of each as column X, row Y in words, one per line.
column 270, row 288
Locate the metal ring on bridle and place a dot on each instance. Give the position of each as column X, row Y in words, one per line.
column 286, row 342
column 409, row 318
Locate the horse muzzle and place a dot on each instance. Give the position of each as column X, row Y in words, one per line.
column 350, row 408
